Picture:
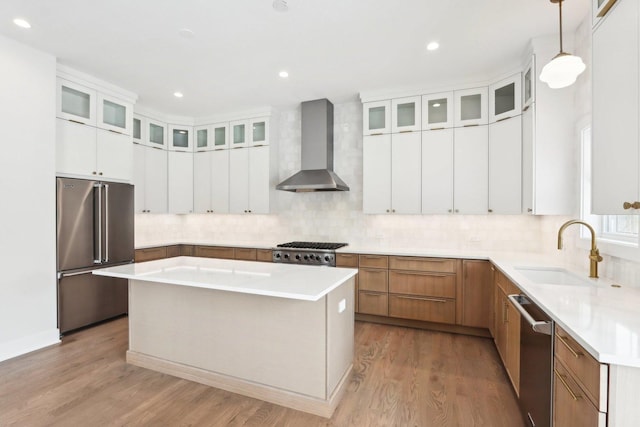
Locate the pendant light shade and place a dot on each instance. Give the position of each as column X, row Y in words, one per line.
column 564, row 68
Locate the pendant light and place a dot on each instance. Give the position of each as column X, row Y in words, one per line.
column 564, row 68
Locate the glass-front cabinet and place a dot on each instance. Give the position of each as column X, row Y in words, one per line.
column 203, row 138
column 76, row 102
column 220, row 135
column 529, row 84
column 114, row 114
column 259, row 131
column 504, row 98
column 157, row 134
column 180, row 138
column 239, row 130
column 138, row 129
column 376, row 118
column 405, row 114
column 600, row 9
column 470, row 107
column 437, row 111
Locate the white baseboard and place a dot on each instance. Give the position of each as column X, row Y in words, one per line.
column 11, row 349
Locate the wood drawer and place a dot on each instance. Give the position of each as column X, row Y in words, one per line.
column 438, row 310
column 246, row 254
column 214, row 252
column 436, row 265
column 374, row 261
column 265, row 255
column 413, row 283
column 591, row 375
column 373, row 280
column 373, row 303
column 186, row 250
column 570, row 408
column 347, row 260
column 173, row 251
column 150, row 254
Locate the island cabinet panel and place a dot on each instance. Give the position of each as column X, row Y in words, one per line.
column 373, row 303
column 414, row 283
column 150, row 254
column 264, row 255
column 351, row 261
column 477, row 294
column 214, row 252
column 436, row 265
column 246, row 254
column 441, row 310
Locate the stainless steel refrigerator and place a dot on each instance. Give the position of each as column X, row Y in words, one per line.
column 94, row 230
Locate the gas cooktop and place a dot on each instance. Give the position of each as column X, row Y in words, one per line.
column 311, row 253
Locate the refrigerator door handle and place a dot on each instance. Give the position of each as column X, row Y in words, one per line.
column 106, row 222
column 98, row 251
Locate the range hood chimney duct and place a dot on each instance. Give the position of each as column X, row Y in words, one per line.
column 317, row 151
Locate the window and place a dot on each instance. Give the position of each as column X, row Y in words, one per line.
column 618, row 235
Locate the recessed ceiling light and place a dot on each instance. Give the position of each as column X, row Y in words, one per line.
column 21, row 23
column 280, row 5
column 283, row 74
column 178, row 94
column 433, row 46
column 187, row 33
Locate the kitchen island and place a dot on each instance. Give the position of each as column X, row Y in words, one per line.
column 276, row 332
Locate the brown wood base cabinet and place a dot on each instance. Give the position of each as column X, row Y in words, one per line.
column 373, row 285
column 507, row 327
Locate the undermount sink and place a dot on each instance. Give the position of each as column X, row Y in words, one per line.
column 553, row 276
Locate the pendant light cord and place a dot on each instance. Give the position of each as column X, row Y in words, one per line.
column 560, row 6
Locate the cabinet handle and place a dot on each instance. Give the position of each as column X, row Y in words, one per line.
column 564, row 383
column 505, row 317
column 442, row 128
column 100, row 173
column 376, row 134
column 576, row 354
column 450, row 210
column 114, row 131
column 393, row 210
column 157, row 148
column 421, row 298
column 405, row 131
column 370, row 257
column 76, row 121
column 468, row 126
column 457, row 211
column 504, row 118
column 490, row 210
column 371, row 294
column 634, row 205
column 94, row 172
column 529, row 210
column 387, row 210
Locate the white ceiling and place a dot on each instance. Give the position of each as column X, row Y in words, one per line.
column 331, row 48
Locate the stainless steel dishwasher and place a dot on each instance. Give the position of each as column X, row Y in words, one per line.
column 536, row 362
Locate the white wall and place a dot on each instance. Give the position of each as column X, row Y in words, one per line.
column 27, row 190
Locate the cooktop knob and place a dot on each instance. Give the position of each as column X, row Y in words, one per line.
column 298, row 256
column 277, row 255
column 327, row 258
column 318, row 258
column 306, row 257
column 286, row 256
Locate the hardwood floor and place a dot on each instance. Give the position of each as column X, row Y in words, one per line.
column 401, row 377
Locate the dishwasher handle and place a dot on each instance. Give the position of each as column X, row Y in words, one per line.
column 539, row 326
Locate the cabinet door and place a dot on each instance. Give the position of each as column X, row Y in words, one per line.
column 239, row 133
column 203, row 139
column 259, row 131
column 477, row 294
column 156, row 134
column 114, row 154
column 259, row 180
column 376, row 118
column 202, row 181
column 139, row 129
column 220, row 181
column 528, row 138
column 505, row 166
column 500, row 328
column 220, row 135
column 615, row 155
column 406, row 167
column 471, row 170
column 529, row 84
column 180, row 138
column 513, row 345
column 239, row 180
column 75, row 149
column 437, row 171
column 155, row 185
column 437, row 111
column 180, row 178
column 76, row 102
column 504, row 98
column 406, row 114
column 139, row 153
column 600, row 8
column 470, row 107
column 376, row 174
column 115, row 114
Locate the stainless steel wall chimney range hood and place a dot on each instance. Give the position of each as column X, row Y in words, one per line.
column 317, row 151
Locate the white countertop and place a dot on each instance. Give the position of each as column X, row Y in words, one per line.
column 299, row 282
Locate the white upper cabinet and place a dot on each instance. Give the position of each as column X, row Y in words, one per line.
column 600, row 8
column 114, row 156
column 471, row 170
column 202, row 181
column 529, row 84
column 406, row 168
column 180, row 138
column 376, row 174
column 156, row 135
column 76, row 102
column 405, row 114
column 203, row 140
column 180, row 182
column 139, row 129
column 437, row 111
column 504, row 98
column 259, row 175
column 75, row 148
column 239, row 133
column 470, row 107
column 220, row 136
column 220, row 181
column 150, row 179
column 437, row 171
column 259, row 131
column 376, row 118
column 505, row 166
column 114, row 114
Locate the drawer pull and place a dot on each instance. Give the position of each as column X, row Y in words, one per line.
column 371, row 257
column 372, row 295
column 422, row 299
column 576, row 354
column 564, row 383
